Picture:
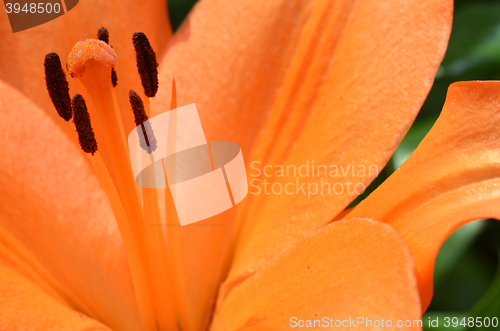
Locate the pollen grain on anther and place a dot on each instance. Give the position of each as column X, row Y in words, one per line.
column 114, row 77
column 57, row 85
column 103, row 35
column 149, row 142
column 146, row 63
column 83, row 126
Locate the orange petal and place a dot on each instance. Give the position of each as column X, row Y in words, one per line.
column 58, row 216
column 452, row 177
column 23, row 306
column 205, row 249
column 348, row 269
column 23, row 52
column 334, row 82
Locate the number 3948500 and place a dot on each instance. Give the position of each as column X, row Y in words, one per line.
column 33, row 8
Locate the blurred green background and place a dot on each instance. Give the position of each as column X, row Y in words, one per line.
column 466, row 280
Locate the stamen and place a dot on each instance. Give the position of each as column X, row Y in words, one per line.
column 146, row 63
column 103, row 35
column 114, row 77
column 86, row 136
column 141, row 119
column 57, row 85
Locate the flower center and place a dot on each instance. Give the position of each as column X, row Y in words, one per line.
column 153, row 252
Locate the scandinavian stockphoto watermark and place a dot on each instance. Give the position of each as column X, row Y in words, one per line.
column 438, row 322
column 353, row 322
column 309, row 178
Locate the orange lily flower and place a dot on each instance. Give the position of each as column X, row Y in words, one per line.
column 337, row 82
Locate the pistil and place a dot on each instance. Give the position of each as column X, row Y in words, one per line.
column 91, row 61
column 151, row 239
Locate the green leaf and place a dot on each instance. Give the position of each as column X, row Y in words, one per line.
column 178, row 10
column 489, row 305
column 454, row 248
column 476, row 33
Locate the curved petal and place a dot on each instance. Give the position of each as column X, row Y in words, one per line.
column 356, row 268
column 57, row 216
column 21, row 64
column 292, row 82
column 23, row 306
column 452, row 178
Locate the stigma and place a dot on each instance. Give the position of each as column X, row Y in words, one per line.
column 88, row 52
